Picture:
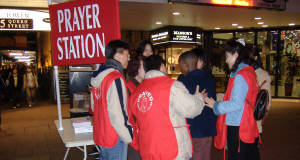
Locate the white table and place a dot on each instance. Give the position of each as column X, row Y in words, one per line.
column 71, row 139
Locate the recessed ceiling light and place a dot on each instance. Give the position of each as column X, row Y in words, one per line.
column 291, row 24
column 234, row 24
column 257, row 18
column 240, row 26
column 158, row 22
column 260, row 22
column 176, row 13
column 217, row 28
column 265, row 25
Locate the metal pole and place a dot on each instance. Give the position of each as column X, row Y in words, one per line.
column 58, row 98
column 57, row 91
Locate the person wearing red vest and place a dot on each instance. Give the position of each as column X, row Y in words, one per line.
column 158, row 108
column 236, row 125
column 136, row 74
column 111, row 130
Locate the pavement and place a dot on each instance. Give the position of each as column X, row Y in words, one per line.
column 30, row 133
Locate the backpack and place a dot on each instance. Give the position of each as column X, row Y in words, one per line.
column 261, row 103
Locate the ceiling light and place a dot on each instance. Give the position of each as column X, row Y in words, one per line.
column 257, row 18
column 158, row 22
column 260, row 22
column 176, row 13
column 291, row 24
column 217, row 28
column 240, row 27
column 265, row 25
column 234, row 24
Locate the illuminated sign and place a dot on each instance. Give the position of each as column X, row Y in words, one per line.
column 16, row 23
column 182, row 36
column 233, row 2
column 176, row 34
column 14, row 19
column 274, row 4
column 159, row 36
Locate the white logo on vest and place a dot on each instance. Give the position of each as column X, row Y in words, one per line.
column 145, row 101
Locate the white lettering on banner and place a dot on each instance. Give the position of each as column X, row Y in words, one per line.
column 60, row 57
column 72, row 22
column 67, row 49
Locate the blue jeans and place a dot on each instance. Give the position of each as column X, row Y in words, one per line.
column 117, row 152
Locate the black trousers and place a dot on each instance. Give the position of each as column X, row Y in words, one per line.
column 248, row 151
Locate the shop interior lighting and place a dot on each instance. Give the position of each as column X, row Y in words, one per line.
column 234, row 24
column 240, row 27
column 291, row 24
column 260, row 22
column 257, row 18
column 217, row 28
column 24, row 60
column 158, row 22
column 176, row 13
column 21, row 57
column 265, row 25
column 15, row 54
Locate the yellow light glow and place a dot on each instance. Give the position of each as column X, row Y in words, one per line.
column 233, row 2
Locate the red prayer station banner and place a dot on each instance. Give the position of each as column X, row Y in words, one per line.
column 81, row 29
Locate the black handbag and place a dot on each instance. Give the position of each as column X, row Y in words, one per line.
column 261, row 103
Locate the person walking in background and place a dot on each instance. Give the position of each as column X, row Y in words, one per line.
column 194, row 67
column 2, row 95
column 15, row 83
column 263, row 80
column 158, row 108
column 111, row 130
column 30, row 85
column 145, row 49
column 236, row 125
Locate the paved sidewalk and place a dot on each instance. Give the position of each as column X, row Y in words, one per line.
column 30, row 134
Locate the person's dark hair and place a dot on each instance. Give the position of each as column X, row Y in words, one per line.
column 115, row 46
column 153, row 62
column 233, row 46
column 133, row 66
column 141, row 48
column 204, row 58
column 254, row 52
column 190, row 57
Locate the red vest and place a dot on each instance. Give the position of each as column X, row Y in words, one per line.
column 149, row 104
column 130, row 86
column 104, row 133
column 248, row 130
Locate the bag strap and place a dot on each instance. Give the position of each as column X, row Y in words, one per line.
column 264, row 82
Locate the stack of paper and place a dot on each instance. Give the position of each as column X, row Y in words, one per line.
column 83, row 126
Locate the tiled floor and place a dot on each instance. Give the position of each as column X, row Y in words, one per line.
column 30, row 134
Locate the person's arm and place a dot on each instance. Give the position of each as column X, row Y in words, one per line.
column 237, row 98
column 117, row 109
column 185, row 104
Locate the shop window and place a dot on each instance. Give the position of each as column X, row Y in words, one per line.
column 290, row 68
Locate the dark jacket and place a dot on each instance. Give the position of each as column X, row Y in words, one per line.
column 204, row 125
column 19, row 82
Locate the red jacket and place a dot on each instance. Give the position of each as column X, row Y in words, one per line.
column 130, row 86
column 104, row 133
column 149, row 105
column 248, row 130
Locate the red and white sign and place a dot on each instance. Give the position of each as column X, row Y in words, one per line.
column 81, row 29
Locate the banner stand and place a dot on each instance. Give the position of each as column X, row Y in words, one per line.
column 58, row 98
column 57, row 91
